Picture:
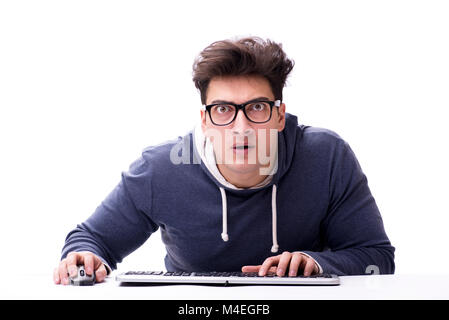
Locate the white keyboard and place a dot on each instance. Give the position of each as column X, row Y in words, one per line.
column 225, row 278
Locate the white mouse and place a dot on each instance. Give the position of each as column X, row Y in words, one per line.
column 81, row 278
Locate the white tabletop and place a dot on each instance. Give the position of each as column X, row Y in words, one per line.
column 351, row 287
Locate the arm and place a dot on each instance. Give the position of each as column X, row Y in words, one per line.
column 121, row 223
column 352, row 229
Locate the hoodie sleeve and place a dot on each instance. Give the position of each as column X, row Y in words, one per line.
column 353, row 229
column 121, row 223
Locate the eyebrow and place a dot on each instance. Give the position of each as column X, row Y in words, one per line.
column 255, row 99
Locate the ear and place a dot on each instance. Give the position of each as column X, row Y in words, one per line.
column 203, row 120
column 281, row 117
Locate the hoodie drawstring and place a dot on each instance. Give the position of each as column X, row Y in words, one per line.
column 224, row 234
column 275, row 246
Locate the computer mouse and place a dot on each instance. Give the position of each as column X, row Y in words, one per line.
column 82, row 278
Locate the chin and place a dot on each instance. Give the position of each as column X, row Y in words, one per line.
column 243, row 168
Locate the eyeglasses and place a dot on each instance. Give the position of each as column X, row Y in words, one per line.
column 222, row 114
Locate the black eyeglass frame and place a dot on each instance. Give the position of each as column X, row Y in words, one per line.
column 276, row 103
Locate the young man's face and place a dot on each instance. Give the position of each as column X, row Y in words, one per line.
column 243, row 147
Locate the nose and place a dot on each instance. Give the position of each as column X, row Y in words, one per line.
column 241, row 124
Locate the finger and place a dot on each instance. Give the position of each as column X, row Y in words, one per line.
column 257, row 268
column 101, row 273
column 56, row 278
column 310, row 266
column 89, row 263
column 295, row 263
column 98, row 263
column 283, row 264
column 63, row 275
column 251, row 268
column 302, row 264
column 273, row 269
column 72, row 262
column 267, row 264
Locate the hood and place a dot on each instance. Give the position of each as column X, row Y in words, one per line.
column 286, row 147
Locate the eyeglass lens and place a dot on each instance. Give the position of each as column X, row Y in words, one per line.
column 225, row 113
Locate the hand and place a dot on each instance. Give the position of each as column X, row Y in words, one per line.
column 68, row 267
column 279, row 264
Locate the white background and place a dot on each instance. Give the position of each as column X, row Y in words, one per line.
column 86, row 85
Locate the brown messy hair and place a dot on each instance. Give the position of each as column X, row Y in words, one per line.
column 245, row 56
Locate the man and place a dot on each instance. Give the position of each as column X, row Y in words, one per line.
column 249, row 189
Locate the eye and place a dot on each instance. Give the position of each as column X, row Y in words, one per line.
column 223, row 108
column 259, row 106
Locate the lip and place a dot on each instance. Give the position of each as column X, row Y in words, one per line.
column 242, row 151
column 241, row 144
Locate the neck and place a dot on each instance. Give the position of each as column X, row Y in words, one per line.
column 239, row 179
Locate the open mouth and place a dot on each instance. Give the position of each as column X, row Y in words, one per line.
column 242, row 147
